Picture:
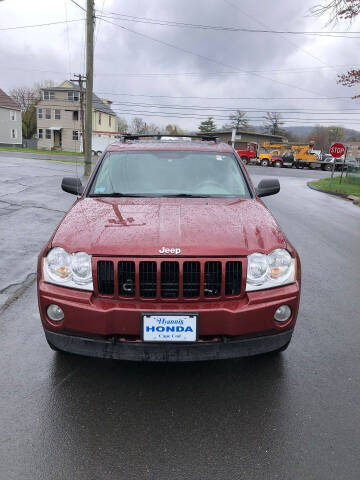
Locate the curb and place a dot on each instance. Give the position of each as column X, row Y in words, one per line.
column 335, row 194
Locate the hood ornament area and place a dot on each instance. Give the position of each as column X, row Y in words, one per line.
column 169, row 251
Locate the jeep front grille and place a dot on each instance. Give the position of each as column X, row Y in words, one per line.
column 157, row 279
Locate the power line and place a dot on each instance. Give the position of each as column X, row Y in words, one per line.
column 169, row 74
column 244, row 72
column 82, row 8
column 204, row 57
column 223, row 98
column 41, row 24
column 281, row 34
column 67, row 36
column 170, row 23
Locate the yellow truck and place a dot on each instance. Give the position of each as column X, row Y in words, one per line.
column 272, row 150
column 304, row 155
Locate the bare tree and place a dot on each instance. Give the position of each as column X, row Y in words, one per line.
column 273, row 122
column 138, row 125
column 337, row 9
column 347, row 10
column 152, row 128
column 238, row 120
column 122, row 125
column 27, row 98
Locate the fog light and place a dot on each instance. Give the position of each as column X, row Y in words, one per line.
column 283, row 313
column 55, row 313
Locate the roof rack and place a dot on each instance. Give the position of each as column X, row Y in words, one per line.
column 135, row 136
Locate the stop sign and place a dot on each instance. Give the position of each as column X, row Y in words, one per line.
column 337, row 150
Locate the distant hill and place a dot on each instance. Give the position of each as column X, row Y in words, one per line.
column 304, row 131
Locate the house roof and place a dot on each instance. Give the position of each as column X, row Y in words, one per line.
column 98, row 104
column 8, row 102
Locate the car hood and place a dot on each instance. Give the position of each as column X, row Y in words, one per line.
column 141, row 227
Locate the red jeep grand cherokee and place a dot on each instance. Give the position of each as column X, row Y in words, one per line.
column 168, row 254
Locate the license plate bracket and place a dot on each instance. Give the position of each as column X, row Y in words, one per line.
column 169, row 327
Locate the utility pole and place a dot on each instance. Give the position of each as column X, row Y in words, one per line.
column 79, row 78
column 90, row 19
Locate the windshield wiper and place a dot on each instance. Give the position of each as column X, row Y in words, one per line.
column 186, row 195
column 119, row 194
column 116, row 194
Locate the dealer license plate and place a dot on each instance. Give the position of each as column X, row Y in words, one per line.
column 169, row 328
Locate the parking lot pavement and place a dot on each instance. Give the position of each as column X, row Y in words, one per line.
column 294, row 416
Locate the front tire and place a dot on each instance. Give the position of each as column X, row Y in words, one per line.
column 328, row 167
column 264, row 163
column 245, row 160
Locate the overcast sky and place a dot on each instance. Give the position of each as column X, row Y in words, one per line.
column 128, row 65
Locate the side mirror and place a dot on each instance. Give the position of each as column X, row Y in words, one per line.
column 268, row 186
column 72, row 185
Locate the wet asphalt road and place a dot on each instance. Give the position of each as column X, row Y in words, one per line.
column 295, row 416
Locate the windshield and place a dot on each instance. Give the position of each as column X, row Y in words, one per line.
column 169, row 173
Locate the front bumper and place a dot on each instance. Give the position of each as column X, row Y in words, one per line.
column 168, row 352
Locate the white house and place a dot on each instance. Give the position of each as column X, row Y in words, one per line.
column 10, row 121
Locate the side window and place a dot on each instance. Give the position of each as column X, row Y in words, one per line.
column 12, row 115
column 57, row 115
column 48, row 113
column 13, row 133
column 40, row 113
column 40, row 133
column 48, row 134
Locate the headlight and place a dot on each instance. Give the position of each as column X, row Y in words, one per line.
column 68, row 270
column 268, row 271
column 81, row 267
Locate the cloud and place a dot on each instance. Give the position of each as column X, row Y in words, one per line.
column 36, row 54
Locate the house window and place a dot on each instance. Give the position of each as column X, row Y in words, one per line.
column 109, row 120
column 99, row 118
column 48, row 113
column 40, row 113
column 75, row 115
column 73, row 96
column 40, row 133
column 48, row 95
column 13, row 133
column 12, row 115
column 75, row 134
column 57, row 114
column 48, row 134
